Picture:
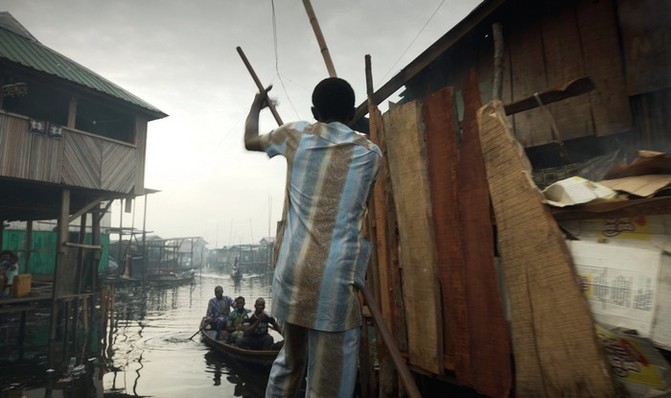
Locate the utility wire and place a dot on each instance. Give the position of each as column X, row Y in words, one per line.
column 277, row 62
column 413, row 41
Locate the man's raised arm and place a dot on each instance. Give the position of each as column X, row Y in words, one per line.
column 252, row 141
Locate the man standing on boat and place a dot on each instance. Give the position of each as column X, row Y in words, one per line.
column 322, row 257
column 218, row 309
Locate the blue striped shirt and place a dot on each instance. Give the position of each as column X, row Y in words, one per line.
column 330, row 172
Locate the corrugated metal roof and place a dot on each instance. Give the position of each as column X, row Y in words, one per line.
column 19, row 46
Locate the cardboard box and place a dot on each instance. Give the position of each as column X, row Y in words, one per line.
column 627, row 281
column 22, row 285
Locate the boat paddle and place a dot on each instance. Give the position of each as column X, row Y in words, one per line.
column 199, row 330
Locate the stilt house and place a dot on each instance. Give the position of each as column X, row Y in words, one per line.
column 71, row 142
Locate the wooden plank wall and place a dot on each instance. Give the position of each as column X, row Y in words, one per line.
column 14, row 146
column 46, row 156
column 421, row 288
column 564, row 62
column 646, row 39
column 76, row 159
column 119, row 167
column 82, row 160
column 476, row 333
column 550, row 43
column 603, row 63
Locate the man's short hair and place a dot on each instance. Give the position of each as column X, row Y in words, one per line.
column 333, row 98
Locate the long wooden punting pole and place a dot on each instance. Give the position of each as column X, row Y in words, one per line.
column 271, row 106
column 320, row 38
column 403, row 371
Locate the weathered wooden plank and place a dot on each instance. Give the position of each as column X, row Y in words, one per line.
column 523, row 39
column 563, row 62
column 567, row 90
column 44, row 159
column 551, row 322
column 81, row 160
column 14, row 147
column 489, row 365
column 118, row 173
column 441, row 132
column 384, row 266
column 421, row 291
column 603, row 63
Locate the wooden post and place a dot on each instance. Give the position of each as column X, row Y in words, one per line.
column 97, row 254
column 72, row 113
column 145, row 261
column 29, row 244
column 320, row 38
column 61, row 251
column 498, row 61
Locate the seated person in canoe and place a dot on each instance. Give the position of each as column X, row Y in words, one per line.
column 235, row 320
column 255, row 329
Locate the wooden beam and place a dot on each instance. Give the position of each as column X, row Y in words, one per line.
column 95, row 202
column 429, row 55
column 83, row 246
column 570, row 89
column 623, row 208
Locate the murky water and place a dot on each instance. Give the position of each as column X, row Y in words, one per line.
column 151, row 352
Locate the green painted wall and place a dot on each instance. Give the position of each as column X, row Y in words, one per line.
column 43, row 250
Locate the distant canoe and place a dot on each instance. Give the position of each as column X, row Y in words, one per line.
column 171, row 278
column 263, row 358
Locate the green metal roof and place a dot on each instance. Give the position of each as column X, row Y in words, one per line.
column 19, row 46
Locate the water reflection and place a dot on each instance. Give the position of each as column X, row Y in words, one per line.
column 249, row 381
column 147, row 349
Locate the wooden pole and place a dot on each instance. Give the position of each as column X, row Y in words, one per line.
column 61, row 252
column 320, row 38
column 262, row 89
column 498, row 61
column 403, row 371
column 145, row 260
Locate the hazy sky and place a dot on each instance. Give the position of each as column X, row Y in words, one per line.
column 181, row 57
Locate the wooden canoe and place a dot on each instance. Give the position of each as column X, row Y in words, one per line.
column 241, row 355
